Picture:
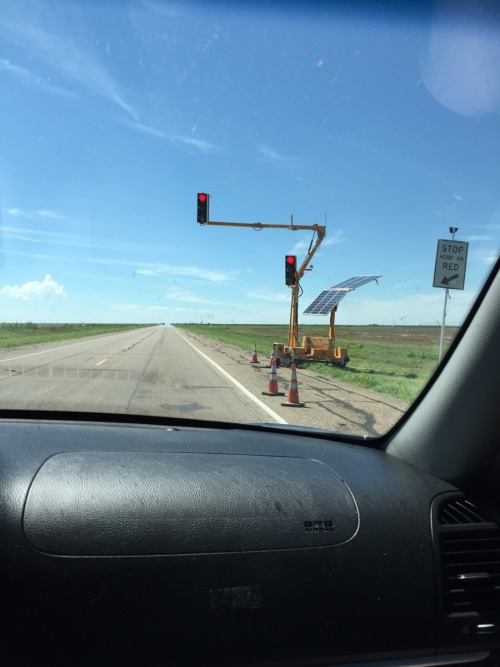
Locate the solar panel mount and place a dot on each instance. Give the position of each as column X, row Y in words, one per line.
column 329, row 298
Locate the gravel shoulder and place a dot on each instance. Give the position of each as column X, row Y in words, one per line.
column 329, row 403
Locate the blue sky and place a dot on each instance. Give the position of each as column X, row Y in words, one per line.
column 114, row 115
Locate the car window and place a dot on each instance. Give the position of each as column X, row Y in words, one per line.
column 353, row 152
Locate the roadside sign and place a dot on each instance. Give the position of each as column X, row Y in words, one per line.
column 451, row 262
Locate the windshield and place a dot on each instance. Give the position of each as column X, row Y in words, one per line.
column 354, row 149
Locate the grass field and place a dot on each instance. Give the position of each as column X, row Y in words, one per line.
column 397, row 361
column 29, row 333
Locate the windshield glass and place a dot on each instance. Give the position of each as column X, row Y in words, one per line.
column 354, row 149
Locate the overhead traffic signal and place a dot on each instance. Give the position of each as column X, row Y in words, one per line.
column 202, row 216
column 290, row 269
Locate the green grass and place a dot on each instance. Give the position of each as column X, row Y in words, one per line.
column 394, row 368
column 15, row 335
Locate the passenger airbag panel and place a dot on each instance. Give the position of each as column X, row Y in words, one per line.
column 157, row 503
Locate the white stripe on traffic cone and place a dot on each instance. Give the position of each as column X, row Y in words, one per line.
column 293, row 391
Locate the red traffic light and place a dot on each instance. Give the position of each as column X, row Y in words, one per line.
column 290, row 270
column 202, row 209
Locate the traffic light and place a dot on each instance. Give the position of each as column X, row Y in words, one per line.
column 202, row 216
column 290, row 269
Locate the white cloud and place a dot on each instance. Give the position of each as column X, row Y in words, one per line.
column 35, row 290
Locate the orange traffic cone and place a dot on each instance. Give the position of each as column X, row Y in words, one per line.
column 293, row 392
column 273, row 382
column 254, row 359
column 273, row 356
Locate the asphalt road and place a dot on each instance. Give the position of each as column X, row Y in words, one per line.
column 167, row 372
column 149, row 371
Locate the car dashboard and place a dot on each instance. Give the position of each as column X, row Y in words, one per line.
column 176, row 545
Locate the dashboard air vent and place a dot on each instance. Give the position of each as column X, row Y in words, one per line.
column 460, row 511
column 470, row 563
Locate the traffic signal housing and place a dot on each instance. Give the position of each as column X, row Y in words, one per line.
column 202, row 210
column 290, row 269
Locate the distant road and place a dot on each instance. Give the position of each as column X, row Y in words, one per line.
column 167, row 372
column 150, row 371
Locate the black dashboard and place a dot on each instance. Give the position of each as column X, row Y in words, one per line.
column 156, row 545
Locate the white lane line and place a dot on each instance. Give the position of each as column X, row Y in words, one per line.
column 33, row 354
column 103, row 361
column 243, row 389
column 55, row 349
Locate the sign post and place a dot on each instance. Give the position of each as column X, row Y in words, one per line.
column 449, row 271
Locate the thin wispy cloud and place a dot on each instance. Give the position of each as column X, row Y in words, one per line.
column 484, row 237
column 195, row 143
column 52, row 215
column 138, row 308
column 45, row 214
column 46, row 237
column 40, row 213
column 29, row 255
column 336, row 238
column 31, row 80
column 188, row 297
column 158, row 270
column 166, row 10
column 42, row 236
column 272, row 154
column 274, row 298
column 67, row 59
column 15, row 212
column 302, row 247
column 147, row 129
column 199, row 144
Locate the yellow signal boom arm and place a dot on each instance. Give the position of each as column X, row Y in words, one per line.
column 293, row 329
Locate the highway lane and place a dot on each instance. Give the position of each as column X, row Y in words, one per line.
column 150, row 371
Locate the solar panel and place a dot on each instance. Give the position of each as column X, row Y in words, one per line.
column 325, row 302
column 355, row 281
